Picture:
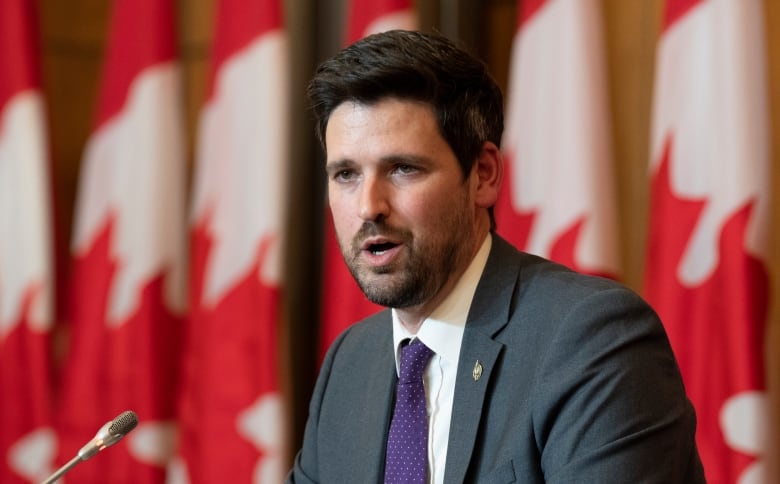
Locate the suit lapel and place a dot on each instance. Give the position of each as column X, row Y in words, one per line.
column 488, row 314
column 469, row 399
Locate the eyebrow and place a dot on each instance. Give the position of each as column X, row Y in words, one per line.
column 332, row 167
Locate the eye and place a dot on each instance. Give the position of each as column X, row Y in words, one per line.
column 343, row 176
column 405, row 169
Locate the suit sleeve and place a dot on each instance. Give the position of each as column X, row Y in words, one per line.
column 612, row 405
column 305, row 467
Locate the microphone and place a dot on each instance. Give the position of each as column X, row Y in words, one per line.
column 108, row 435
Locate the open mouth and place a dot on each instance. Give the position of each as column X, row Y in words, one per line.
column 379, row 249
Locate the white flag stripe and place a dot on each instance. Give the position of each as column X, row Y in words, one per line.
column 133, row 169
column 557, row 132
column 243, row 160
column 25, row 259
column 718, row 122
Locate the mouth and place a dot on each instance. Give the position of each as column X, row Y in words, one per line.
column 380, row 250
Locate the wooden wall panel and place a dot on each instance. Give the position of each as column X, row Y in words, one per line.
column 72, row 36
column 773, row 338
column 194, row 30
column 631, row 32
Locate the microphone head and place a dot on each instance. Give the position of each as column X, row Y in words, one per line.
column 109, row 434
column 123, row 423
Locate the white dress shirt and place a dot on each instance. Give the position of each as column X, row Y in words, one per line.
column 442, row 332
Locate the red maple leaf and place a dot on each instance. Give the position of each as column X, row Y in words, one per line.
column 230, row 360
column 25, row 376
column 716, row 327
column 528, row 9
column 110, row 369
column 676, row 9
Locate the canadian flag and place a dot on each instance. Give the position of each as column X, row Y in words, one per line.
column 27, row 441
column 231, row 408
column 706, row 268
column 343, row 303
column 558, row 197
column 128, row 269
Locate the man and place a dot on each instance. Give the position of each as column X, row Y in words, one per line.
column 537, row 374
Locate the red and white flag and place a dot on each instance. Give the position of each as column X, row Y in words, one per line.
column 706, row 268
column 27, row 441
column 232, row 413
column 558, row 197
column 343, row 303
column 128, row 270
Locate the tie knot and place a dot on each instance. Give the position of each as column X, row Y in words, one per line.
column 414, row 358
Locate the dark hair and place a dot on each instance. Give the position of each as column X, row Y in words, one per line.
column 417, row 66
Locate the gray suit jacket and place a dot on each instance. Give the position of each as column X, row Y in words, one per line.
column 579, row 384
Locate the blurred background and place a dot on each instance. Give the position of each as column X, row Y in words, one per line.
column 219, row 348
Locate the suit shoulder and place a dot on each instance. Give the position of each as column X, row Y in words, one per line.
column 366, row 333
column 539, row 275
column 544, row 293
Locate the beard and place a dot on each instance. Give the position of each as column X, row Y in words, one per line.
column 424, row 266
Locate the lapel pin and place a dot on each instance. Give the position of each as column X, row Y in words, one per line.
column 477, row 373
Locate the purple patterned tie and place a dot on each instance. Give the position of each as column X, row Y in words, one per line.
column 407, row 442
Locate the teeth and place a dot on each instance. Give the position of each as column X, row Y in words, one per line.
column 380, row 249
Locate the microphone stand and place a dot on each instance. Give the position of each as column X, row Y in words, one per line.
column 62, row 470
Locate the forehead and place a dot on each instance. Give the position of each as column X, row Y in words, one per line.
column 387, row 124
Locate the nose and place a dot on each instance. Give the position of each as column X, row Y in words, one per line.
column 373, row 203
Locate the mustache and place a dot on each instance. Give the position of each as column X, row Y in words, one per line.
column 376, row 229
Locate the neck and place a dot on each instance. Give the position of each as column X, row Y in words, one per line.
column 410, row 322
column 412, row 318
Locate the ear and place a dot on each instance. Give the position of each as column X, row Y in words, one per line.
column 487, row 173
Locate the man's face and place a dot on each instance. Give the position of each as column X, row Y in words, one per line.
column 403, row 213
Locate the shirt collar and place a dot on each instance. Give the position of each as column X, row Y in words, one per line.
column 442, row 331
